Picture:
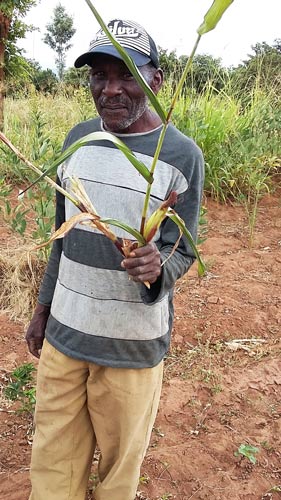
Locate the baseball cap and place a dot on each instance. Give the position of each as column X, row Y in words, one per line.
column 133, row 37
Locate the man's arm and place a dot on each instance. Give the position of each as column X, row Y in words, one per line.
column 36, row 330
column 144, row 264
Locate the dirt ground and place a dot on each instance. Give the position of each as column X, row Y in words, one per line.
column 222, row 385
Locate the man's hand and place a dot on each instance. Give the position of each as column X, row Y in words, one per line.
column 36, row 331
column 143, row 264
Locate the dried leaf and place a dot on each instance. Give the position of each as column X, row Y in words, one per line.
column 67, row 226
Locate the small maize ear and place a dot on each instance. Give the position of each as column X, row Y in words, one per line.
column 156, row 219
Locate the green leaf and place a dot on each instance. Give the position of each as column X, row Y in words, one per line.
column 134, row 232
column 100, row 136
column 213, row 15
column 181, row 225
column 248, row 451
column 130, row 64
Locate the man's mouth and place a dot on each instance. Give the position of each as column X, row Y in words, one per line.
column 113, row 106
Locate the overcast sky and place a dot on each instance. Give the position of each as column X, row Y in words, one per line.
column 172, row 25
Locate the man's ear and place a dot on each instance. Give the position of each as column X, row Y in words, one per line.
column 157, row 81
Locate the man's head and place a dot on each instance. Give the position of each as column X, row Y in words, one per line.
column 119, row 100
column 133, row 37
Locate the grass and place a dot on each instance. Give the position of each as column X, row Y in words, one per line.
column 241, row 143
column 20, row 275
column 240, row 140
column 21, row 387
column 199, row 361
column 38, row 125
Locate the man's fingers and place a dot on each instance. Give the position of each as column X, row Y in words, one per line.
column 145, row 273
column 137, row 265
column 142, row 251
column 34, row 347
column 143, row 264
column 150, row 277
column 150, row 248
column 139, row 262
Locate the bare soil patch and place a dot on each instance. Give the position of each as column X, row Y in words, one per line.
column 222, row 383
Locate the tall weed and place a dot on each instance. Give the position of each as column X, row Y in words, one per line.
column 38, row 125
column 238, row 141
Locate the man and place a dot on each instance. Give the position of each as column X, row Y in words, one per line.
column 105, row 336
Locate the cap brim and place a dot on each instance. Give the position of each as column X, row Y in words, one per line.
column 88, row 57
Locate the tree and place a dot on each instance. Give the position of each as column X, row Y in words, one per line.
column 262, row 69
column 18, row 79
column 77, row 78
column 11, row 29
column 59, row 32
column 44, row 80
column 168, row 62
column 206, row 71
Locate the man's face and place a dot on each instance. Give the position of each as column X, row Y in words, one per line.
column 120, row 102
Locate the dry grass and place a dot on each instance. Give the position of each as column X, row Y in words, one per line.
column 20, row 276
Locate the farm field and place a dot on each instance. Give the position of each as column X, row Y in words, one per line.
column 222, row 385
column 217, row 434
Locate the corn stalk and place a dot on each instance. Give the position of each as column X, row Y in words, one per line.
column 211, row 19
column 78, row 196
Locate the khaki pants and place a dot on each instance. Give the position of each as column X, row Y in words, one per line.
column 80, row 404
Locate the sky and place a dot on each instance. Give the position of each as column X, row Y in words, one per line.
column 172, row 25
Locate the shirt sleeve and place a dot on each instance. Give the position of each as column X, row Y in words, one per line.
column 188, row 208
column 48, row 283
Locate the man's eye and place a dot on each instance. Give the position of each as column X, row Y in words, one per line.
column 98, row 75
column 128, row 76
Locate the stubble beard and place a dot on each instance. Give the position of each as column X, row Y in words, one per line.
column 137, row 110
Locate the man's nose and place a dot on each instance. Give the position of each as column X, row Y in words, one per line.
column 112, row 87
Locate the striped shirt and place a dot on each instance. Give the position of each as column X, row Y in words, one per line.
column 97, row 313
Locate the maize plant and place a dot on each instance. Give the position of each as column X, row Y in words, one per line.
column 77, row 194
